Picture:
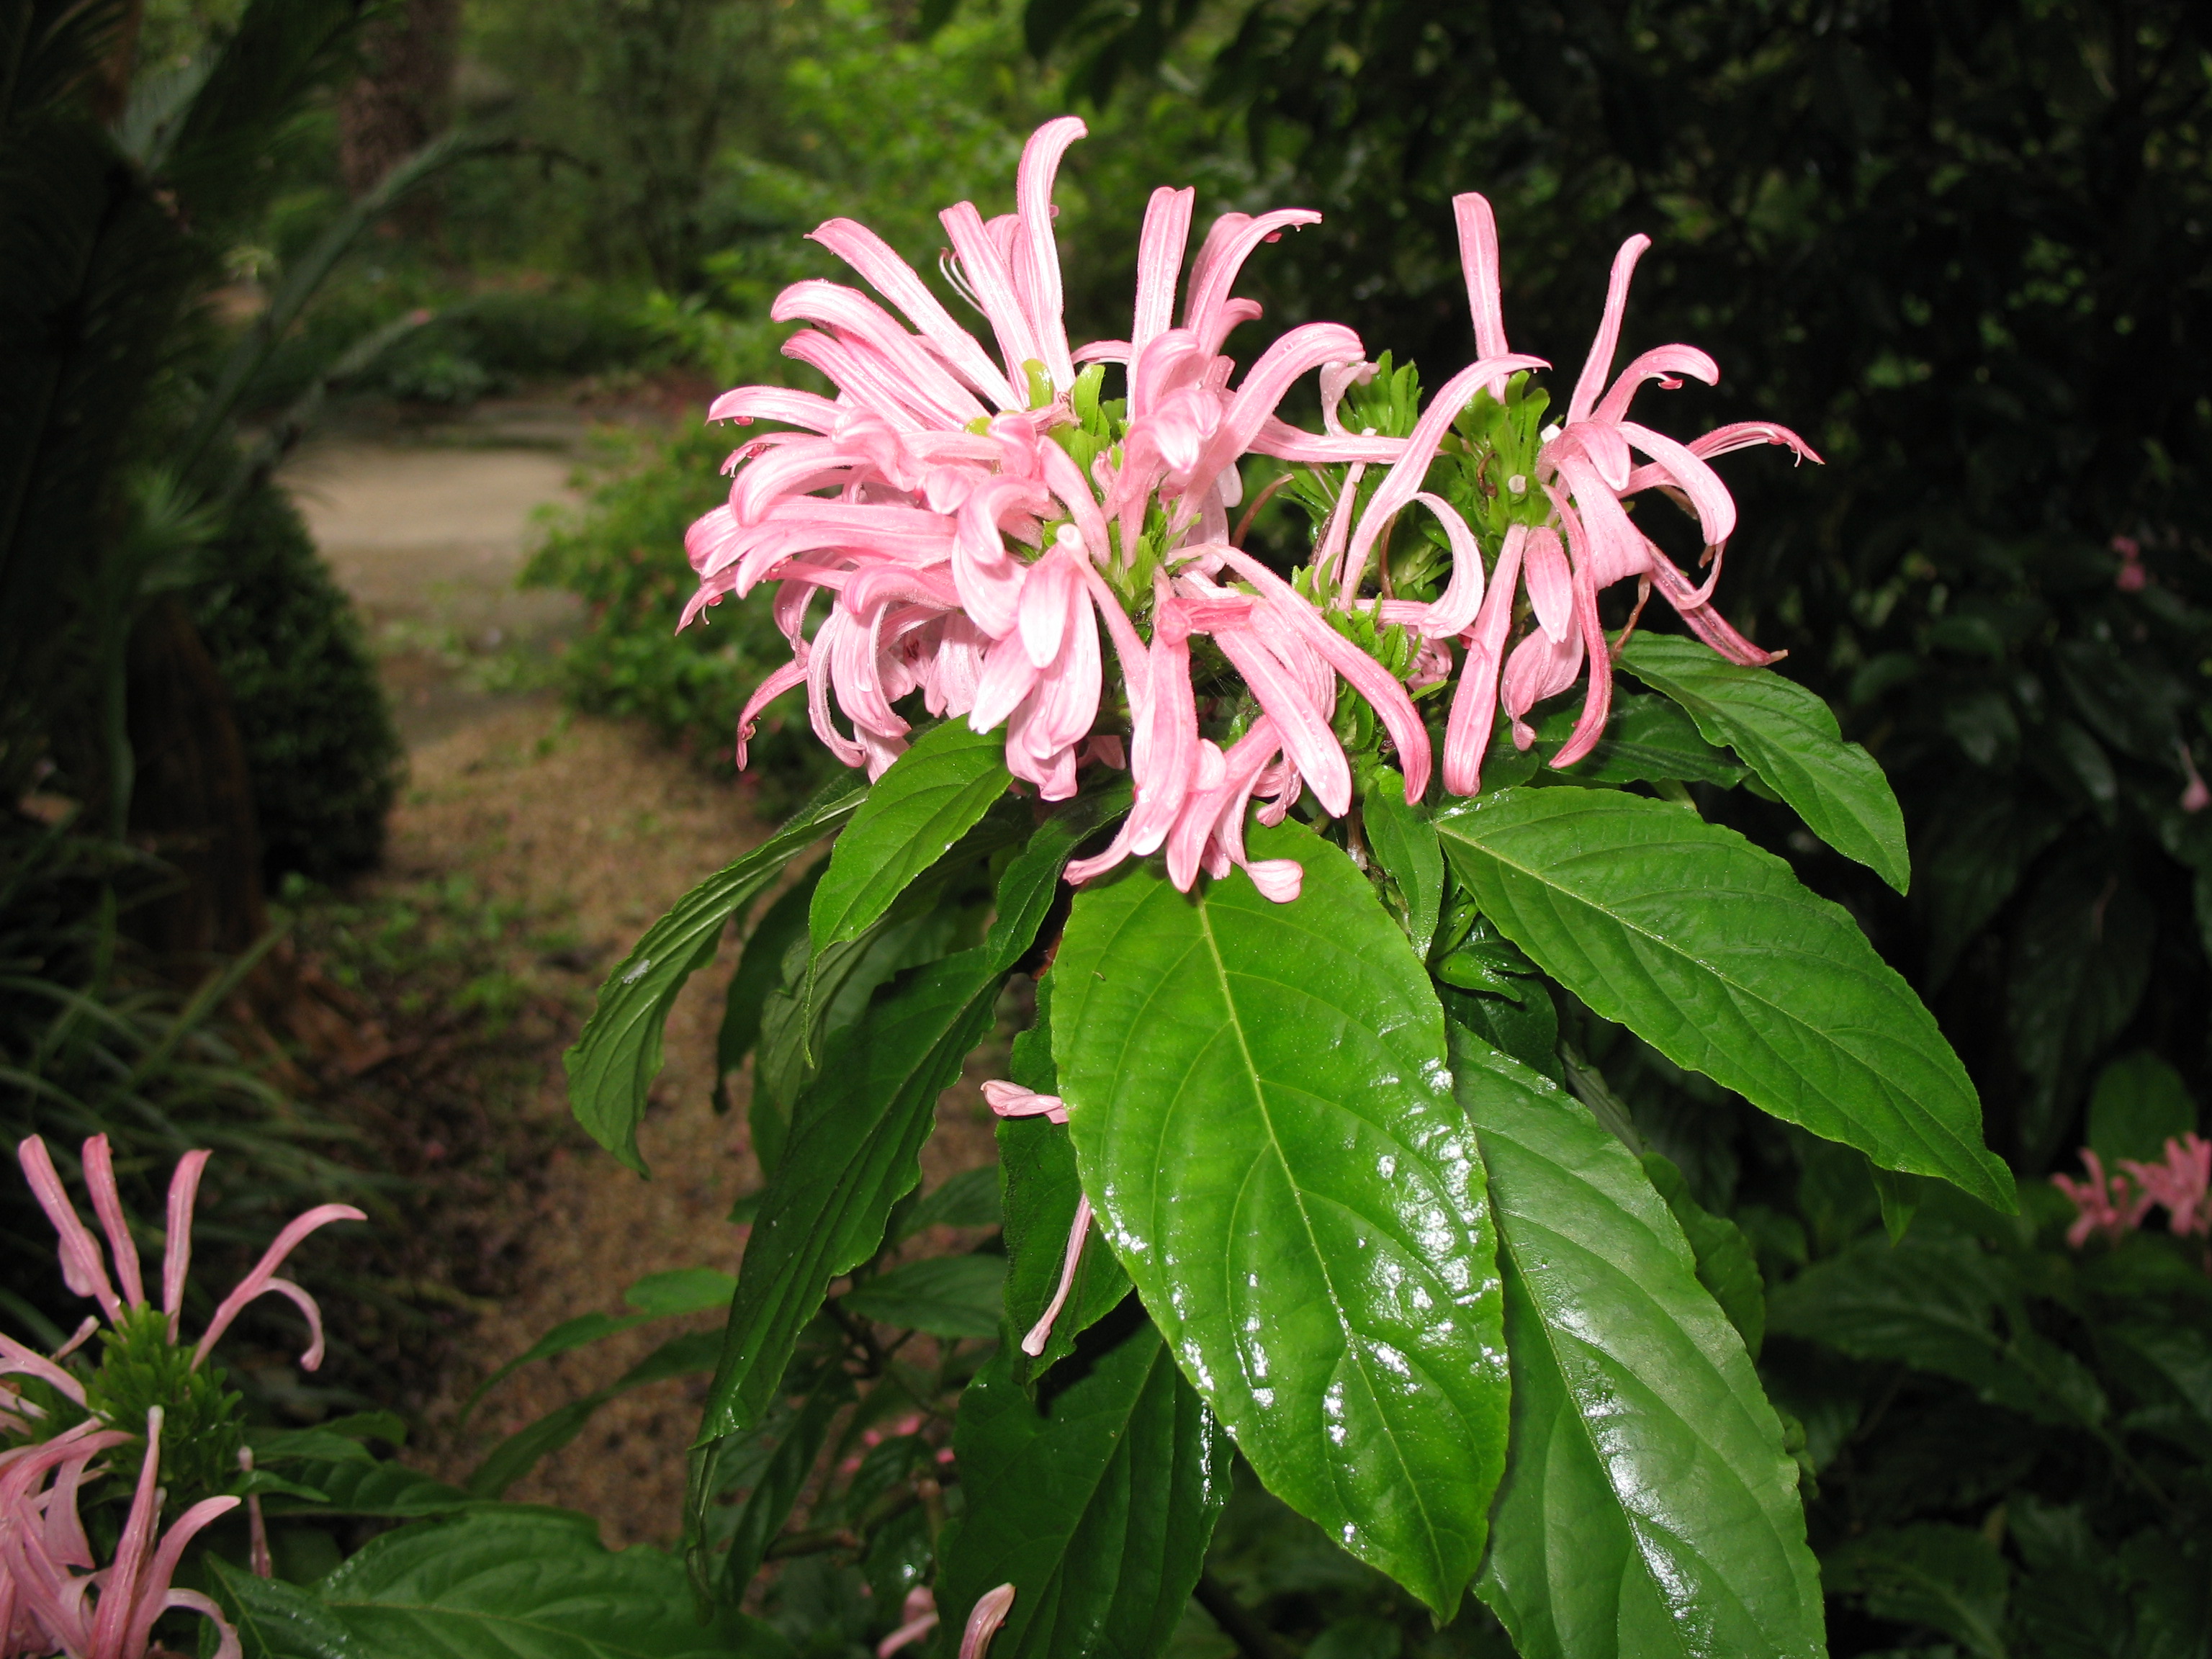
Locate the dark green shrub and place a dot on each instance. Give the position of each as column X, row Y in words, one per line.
column 319, row 743
column 623, row 556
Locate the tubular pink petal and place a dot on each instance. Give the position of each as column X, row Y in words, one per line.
column 119, row 1590
column 1540, row 667
column 1064, row 480
column 1661, row 363
column 1599, row 364
column 1159, row 262
column 862, row 376
column 83, row 1270
column 1279, row 880
column 17, row 1360
column 907, row 1634
column 1011, row 1100
column 897, row 281
column 1210, row 786
column 1164, row 745
column 1033, row 182
column 1033, row 1344
column 1551, row 583
column 1306, row 736
column 1008, row 677
column 1454, row 609
column 868, row 329
column 810, row 410
column 1707, row 623
column 1336, row 379
column 1281, row 440
column 993, row 285
column 1412, row 467
column 177, row 1247
column 1208, row 314
column 1615, row 547
column 153, row 1596
column 1474, row 704
column 1748, row 434
column 1478, row 261
column 1306, row 347
column 265, row 1271
column 1597, row 701
column 1055, row 588
column 107, row 1205
column 1367, row 677
column 1716, row 507
column 983, row 1623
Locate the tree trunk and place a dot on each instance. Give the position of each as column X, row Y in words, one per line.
column 404, row 99
column 193, row 802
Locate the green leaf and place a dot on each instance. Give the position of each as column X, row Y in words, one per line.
column 1263, row 1120
column 858, row 1132
column 1647, row 740
column 969, row 1198
column 657, row 1296
column 758, row 974
column 1650, row 1508
column 616, row 1059
column 1947, row 1578
column 1095, row 1502
column 497, row 1584
column 1789, row 736
column 1726, row 1267
column 370, row 1487
column 953, row 1295
column 1403, row 843
column 519, row 1453
column 2140, row 1102
column 1931, row 1302
column 1714, row 953
column 1971, row 861
column 794, row 1434
column 933, row 794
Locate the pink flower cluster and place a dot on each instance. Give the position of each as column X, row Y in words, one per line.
column 53, row 1597
column 86, row 1274
column 937, row 500
column 2109, row 1207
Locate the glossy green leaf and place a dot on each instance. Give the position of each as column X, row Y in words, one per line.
column 858, row 1132
column 933, row 794
column 369, row 1487
column 1647, row 740
column 1039, row 1191
column 1948, row 1579
column 1932, row 1302
column 1264, row 1122
column 1649, row 1509
column 1402, row 842
column 756, row 977
column 1970, row 860
column 1788, row 735
column 614, row 1062
column 496, row 1585
column 520, row 1452
column 953, row 1295
column 1095, row 1501
column 1714, row 954
column 1726, row 1267
column 794, row 1433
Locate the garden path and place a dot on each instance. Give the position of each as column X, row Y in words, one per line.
column 592, row 823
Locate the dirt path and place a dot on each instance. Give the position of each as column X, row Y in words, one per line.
column 584, row 818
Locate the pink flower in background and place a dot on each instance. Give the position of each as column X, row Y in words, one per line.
column 2180, row 1184
column 52, row 1597
column 990, row 1611
column 2105, row 1205
column 2131, row 577
column 85, row 1271
column 916, row 1620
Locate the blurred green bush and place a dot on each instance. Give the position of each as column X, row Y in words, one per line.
column 623, row 555
column 324, row 758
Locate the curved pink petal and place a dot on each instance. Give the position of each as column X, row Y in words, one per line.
column 810, row 410
column 1220, row 261
column 897, row 281
column 1478, row 261
column 1474, row 704
column 783, row 679
column 107, row 1205
column 868, row 328
column 1306, row 347
column 985, row 267
column 1551, row 583
column 82, row 1269
column 1597, row 699
column 1033, row 182
column 1078, row 1232
column 153, row 1596
column 983, row 1623
column 177, row 1247
column 1662, row 364
column 259, row 1281
column 1599, row 364
column 1708, row 495
column 1454, row 609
